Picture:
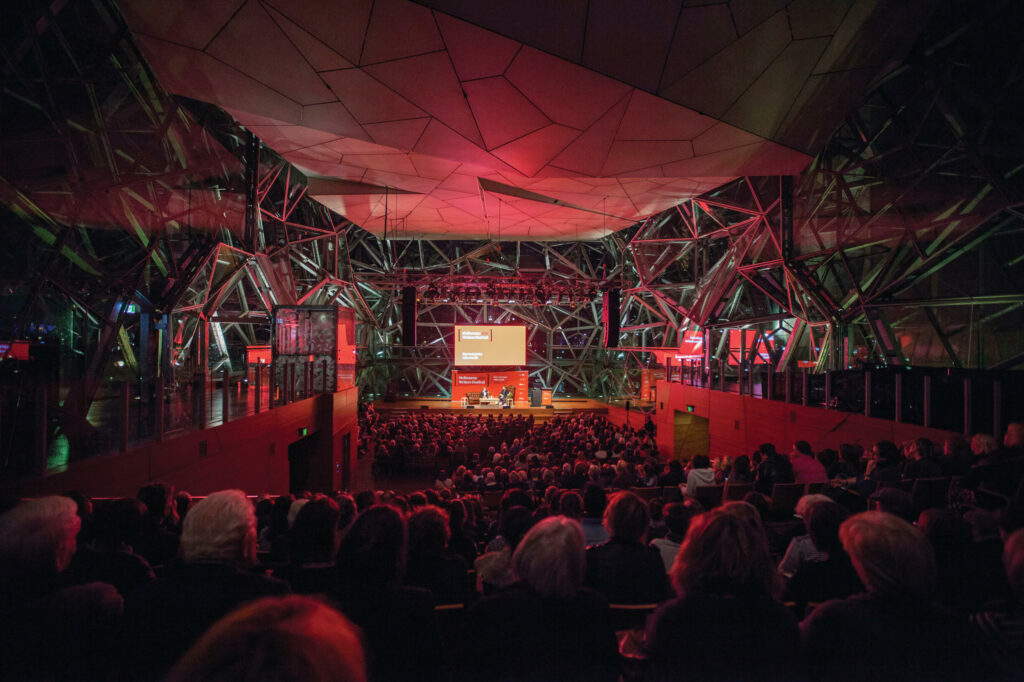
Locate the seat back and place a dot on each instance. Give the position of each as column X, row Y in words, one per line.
column 629, row 616
column 709, row 495
column 735, row 492
column 930, row 492
column 784, row 498
column 647, row 494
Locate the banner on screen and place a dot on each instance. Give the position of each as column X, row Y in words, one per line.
column 490, row 345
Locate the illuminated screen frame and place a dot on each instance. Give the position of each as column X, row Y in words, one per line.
column 505, row 345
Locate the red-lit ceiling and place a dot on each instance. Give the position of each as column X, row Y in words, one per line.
column 528, row 120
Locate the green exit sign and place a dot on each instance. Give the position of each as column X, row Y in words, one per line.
column 690, row 408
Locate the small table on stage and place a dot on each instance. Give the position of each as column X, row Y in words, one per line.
column 489, row 402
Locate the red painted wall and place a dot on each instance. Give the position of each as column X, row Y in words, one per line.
column 738, row 424
column 250, row 454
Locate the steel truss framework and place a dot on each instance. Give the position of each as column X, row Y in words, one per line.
column 149, row 236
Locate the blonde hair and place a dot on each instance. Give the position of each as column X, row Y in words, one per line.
column 276, row 638
column 221, row 527
column 983, row 444
column 892, row 557
column 551, row 557
column 38, row 536
column 724, row 553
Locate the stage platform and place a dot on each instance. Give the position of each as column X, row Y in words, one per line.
column 445, row 405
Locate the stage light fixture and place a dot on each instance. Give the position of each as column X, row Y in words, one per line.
column 490, row 292
column 431, row 293
column 541, row 295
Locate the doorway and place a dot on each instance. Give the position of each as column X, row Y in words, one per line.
column 301, row 455
column 691, row 435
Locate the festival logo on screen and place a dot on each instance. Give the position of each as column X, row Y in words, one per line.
column 490, row 345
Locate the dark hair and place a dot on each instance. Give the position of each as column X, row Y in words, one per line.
column 428, row 531
column 515, row 523
column 515, row 497
column 700, row 462
column 677, row 518
column 365, row 499
column 760, row 502
column 571, row 504
column 822, row 522
column 626, row 517
column 594, row 500
column 157, row 498
column 347, row 510
column 417, row 500
column 804, row 448
column 120, row 521
column 768, row 450
column 372, row 553
column 888, row 452
column 313, row 534
column 741, row 465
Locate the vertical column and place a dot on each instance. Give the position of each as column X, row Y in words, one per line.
column 258, row 400
column 225, row 396
column 41, row 442
column 828, row 389
column 805, row 386
column 789, row 385
column 927, row 401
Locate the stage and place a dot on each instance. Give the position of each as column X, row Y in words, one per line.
column 447, row 406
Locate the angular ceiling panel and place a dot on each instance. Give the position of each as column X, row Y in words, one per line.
column 502, row 112
column 569, row 94
column 398, row 134
column 587, row 154
column 317, row 53
column 430, row 83
column 339, row 25
column 273, row 60
column 369, row 100
column 611, row 111
column 652, row 118
column 399, row 29
column 476, row 52
column 532, row 152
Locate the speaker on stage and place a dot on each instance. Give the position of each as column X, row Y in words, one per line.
column 610, row 318
column 536, row 399
column 408, row 316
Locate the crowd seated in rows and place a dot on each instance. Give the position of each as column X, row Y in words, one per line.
column 438, row 584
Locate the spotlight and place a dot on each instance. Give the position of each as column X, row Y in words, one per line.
column 490, row 292
column 431, row 293
column 541, row 295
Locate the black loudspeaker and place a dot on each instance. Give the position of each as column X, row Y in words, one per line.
column 536, row 397
column 610, row 318
column 408, row 316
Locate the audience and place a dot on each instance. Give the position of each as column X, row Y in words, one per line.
column 880, row 598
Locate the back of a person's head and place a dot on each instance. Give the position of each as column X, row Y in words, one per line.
column 760, row 502
column 701, row 462
column 744, row 509
column 374, row 548
column 276, row 638
column 571, row 504
column 724, row 554
column 120, row 521
column 677, row 518
column 515, row 522
column 595, row 499
column 1013, row 562
column 38, row 537
column 157, row 498
column 347, row 510
column 220, row 527
column 804, row 504
column 822, row 521
column 888, row 453
column 626, row 518
column 313, row 537
column 428, row 531
column 515, row 498
column 804, row 448
column 946, row 530
column 767, row 449
column 551, row 557
column 417, row 500
column 365, row 499
column 892, row 557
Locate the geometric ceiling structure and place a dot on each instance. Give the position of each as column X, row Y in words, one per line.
column 529, row 121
